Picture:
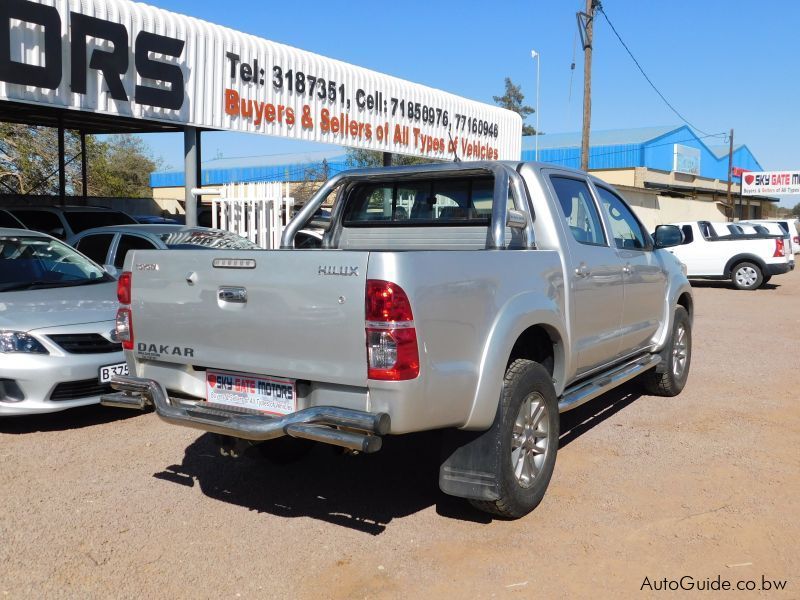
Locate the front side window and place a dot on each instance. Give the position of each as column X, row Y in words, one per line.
column 96, row 246
column 625, row 228
column 580, row 210
column 130, row 242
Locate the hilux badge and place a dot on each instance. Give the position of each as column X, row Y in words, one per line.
column 341, row 271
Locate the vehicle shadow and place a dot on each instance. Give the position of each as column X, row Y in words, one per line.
column 73, row 418
column 578, row 421
column 364, row 492
column 725, row 284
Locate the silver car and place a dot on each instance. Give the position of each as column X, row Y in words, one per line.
column 58, row 345
column 108, row 246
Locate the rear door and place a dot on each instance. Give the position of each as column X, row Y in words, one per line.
column 286, row 313
column 595, row 273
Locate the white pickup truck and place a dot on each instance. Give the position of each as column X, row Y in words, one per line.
column 716, row 251
column 479, row 298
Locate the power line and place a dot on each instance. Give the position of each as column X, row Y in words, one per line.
column 636, row 62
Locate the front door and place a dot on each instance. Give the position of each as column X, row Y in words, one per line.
column 595, row 275
column 645, row 277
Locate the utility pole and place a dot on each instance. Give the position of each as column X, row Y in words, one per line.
column 586, row 22
column 730, row 177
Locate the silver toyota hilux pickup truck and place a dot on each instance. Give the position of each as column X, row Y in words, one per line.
column 481, row 298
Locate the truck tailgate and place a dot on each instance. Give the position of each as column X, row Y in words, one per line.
column 302, row 317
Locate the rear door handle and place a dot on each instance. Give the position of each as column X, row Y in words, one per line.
column 236, row 295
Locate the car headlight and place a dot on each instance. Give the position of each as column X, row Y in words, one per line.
column 18, row 341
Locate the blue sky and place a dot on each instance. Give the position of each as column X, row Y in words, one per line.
column 723, row 64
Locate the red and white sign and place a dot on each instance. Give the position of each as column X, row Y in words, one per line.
column 766, row 183
column 738, row 171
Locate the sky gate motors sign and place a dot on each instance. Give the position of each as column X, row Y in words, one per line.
column 118, row 57
column 766, row 183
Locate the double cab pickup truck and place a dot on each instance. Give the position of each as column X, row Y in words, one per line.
column 483, row 299
column 720, row 251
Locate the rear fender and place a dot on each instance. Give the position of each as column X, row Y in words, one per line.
column 521, row 312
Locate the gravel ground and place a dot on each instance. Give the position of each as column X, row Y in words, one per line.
column 110, row 503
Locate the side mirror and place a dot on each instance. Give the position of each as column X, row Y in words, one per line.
column 111, row 270
column 667, row 236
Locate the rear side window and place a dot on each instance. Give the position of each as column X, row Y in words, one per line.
column 130, row 242
column 95, row 247
column 451, row 201
column 41, row 220
column 580, row 210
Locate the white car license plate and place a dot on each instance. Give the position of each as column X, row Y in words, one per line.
column 272, row 395
column 109, row 371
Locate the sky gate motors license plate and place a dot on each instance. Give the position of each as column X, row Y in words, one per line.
column 272, row 395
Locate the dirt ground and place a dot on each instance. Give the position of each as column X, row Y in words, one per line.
column 111, row 503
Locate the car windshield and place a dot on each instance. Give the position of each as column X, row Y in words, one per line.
column 81, row 220
column 206, row 238
column 30, row 262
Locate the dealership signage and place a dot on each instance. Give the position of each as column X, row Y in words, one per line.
column 686, row 159
column 765, row 183
column 118, row 57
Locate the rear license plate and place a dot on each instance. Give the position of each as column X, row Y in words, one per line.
column 109, row 371
column 272, row 395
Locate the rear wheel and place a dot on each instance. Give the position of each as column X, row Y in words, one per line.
column 669, row 377
column 746, row 276
column 766, row 280
column 526, row 433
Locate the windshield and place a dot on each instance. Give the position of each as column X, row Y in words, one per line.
column 82, row 220
column 29, row 262
column 206, row 238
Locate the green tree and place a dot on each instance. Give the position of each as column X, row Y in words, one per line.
column 514, row 100
column 119, row 166
column 796, row 210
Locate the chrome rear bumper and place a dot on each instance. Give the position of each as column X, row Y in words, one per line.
column 353, row 429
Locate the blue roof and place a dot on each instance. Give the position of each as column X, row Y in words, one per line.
column 652, row 147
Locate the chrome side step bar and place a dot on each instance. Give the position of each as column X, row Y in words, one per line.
column 318, row 423
column 600, row 384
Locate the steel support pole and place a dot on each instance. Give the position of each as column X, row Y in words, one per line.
column 730, row 177
column 191, row 162
column 84, row 168
column 587, row 85
column 62, row 164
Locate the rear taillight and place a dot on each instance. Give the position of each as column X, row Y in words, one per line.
column 124, row 288
column 779, row 249
column 125, row 328
column 124, row 317
column 392, row 352
column 796, row 239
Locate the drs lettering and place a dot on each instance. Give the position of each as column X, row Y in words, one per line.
column 245, row 385
column 113, row 61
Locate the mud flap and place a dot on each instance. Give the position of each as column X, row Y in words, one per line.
column 471, row 464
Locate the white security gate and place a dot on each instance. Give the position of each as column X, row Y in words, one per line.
column 257, row 211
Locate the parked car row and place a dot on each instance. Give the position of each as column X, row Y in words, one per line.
column 58, row 342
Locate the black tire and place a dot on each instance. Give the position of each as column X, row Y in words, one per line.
column 665, row 379
column 283, row 450
column 524, row 380
column 747, row 276
column 766, row 280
